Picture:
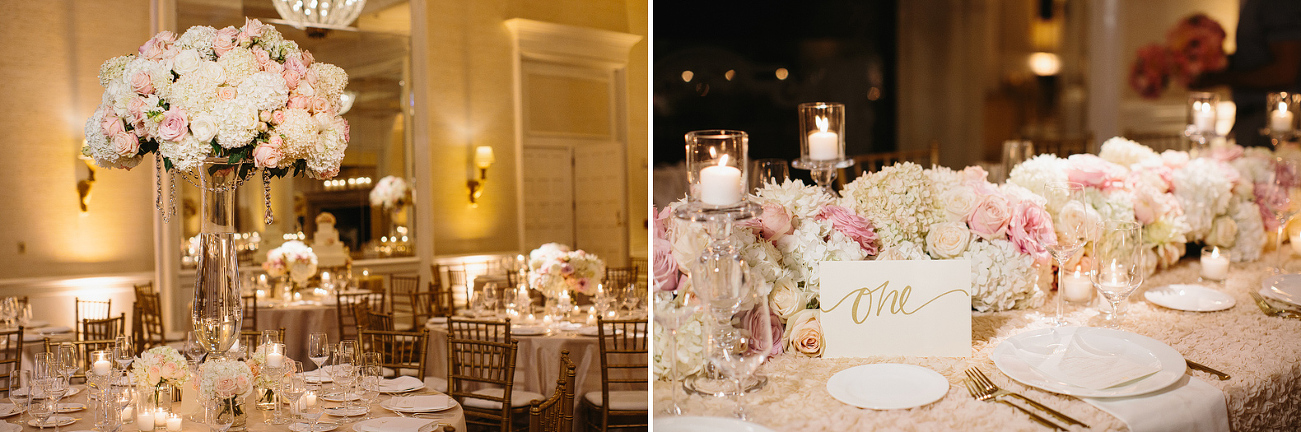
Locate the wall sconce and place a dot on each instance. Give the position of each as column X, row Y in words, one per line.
column 483, row 159
column 85, row 182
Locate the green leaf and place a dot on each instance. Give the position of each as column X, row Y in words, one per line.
column 167, row 163
column 216, row 149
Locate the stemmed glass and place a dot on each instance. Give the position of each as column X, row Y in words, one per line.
column 41, row 406
column 344, row 372
column 20, row 390
column 371, row 377
column 741, row 345
column 276, row 365
column 490, row 299
column 1075, row 226
column 318, row 350
column 193, row 349
column 24, row 314
column 672, row 310
column 269, row 336
column 1118, row 264
column 212, row 408
column 293, row 385
column 1275, row 194
column 630, row 299
column 313, row 410
column 122, row 352
column 8, row 310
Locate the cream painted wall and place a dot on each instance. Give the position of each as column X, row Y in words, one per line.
column 49, row 59
column 638, row 129
column 471, row 102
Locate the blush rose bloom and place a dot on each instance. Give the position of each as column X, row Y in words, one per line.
column 253, row 28
column 666, row 268
column 1092, row 170
column 775, row 222
column 851, row 225
column 141, row 83
column 125, row 144
column 759, row 324
column 1078, row 220
column 174, row 126
column 300, row 102
column 227, row 93
column 947, row 240
column 1031, row 229
column 804, row 333
column 266, row 156
column 112, row 124
column 990, row 218
column 224, row 41
column 321, row 105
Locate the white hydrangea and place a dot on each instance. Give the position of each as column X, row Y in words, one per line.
column 186, row 154
column 237, row 123
column 198, row 38
column 1251, row 231
column 899, row 200
column 265, row 91
column 904, row 251
column 330, row 80
column 1126, row 153
column 239, row 63
column 1203, row 193
column 97, row 144
column 299, row 132
column 813, row 242
column 1002, row 278
column 690, row 349
column 800, row 201
column 112, row 69
column 1115, row 205
column 1039, row 173
column 195, row 93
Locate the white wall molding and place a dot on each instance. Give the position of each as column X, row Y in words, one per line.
column 544, row 41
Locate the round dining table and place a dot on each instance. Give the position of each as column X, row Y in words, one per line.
column 1260, row 353
column 300, row 320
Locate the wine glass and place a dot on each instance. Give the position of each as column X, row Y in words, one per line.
column 344, row 372
column 67, row 360
column 122, row 352
column 371, row 377
column 672, row 310
column 739, row 346
column 1118, row 264
column 630, row 299
column 20, row 390
column 1275, row 194
column 764, row 171
column 8, row 310
column 309, row 407
column 40, row 405
column 1075, row 226
column 293, row 385
column 193, row 349
column 212, row 410
column 318, row 349
column 55, row 388
column 268, row 336
column 490, row 299
column 24, row 314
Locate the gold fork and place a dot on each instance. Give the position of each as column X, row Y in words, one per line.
column 994, row 391
column 980, row 395
column 1270, row 310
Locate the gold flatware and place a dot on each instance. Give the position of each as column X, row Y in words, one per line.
column 994, row 392
column 1201, row 367
column 1270, row 310
column 980, row 395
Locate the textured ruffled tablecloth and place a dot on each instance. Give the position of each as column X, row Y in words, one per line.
column 1263, row 354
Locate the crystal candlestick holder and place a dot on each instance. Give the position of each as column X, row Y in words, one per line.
column 1281, row 116
column 1202, row 115
column 822, row 142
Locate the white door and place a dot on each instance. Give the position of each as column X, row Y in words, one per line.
column 548, row 196
column 599, row 189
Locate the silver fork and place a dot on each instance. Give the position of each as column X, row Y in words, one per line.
column 994, row 391
column 979, row 395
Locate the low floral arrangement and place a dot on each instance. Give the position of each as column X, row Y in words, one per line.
column 158, row 366
column 241, row 94
column 1195, row 45
column 257, row 365
column 555, row 268
column 294, row 258
column 227, row 382
column 390, row 192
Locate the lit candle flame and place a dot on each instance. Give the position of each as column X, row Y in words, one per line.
column 1215, row 252
column 1282, row 106
column 722, row 161
column 822, row 123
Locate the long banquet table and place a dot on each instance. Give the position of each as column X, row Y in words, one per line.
column 1261, row 353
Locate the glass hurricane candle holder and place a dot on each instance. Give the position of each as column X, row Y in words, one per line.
column 1202, row 113
column 1215, row 264
column 716, row 168
column 1281, row 111
column 822, row 141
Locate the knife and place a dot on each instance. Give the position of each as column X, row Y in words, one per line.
column 1201, row 367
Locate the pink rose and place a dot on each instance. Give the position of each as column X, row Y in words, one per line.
column 974, row 173
column 291, row 78
column 261, row 56
column 224, row 40
column 851, row 225
column 308, row 58
column 311, row 77
column 1174, row 159
column 166, row 36
column 295, row 63
column 990, row 218
column 152, row 49
column 758, row 325
column 111, row 124
column 803, row 333
column 136, row 109
column 1146, row 207
column 347, row 130
column 328, row 174
column 666, row 268
column 300, row 102
column 267, row 155
column 174, row 126
column 243, row 39
column 1227, row 153
column 1031, row 229
column 278, row 116
column 141, row 83
column 264, row 115
column 273, row 67
column 253, row 27
column 1093, row 171
column 227, row 93
column 774, row 223
column 125, row 144
column 321, row 105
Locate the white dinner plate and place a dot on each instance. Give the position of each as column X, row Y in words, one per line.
column 70, row 407
column 388, row 405
column 62, row 420
column 1283, row 287
column 339, row 397
column 320, row 427
column 1011, row 360
column 8, row 409
column 54, row 330
column 705, row 424
column 372, row 424
column 11, row 427
column 528, row 330
column 592, row 331
column 352, row 411
column 1192, row 298
column 887, row 386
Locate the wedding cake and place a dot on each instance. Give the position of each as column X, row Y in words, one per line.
column 325, row 243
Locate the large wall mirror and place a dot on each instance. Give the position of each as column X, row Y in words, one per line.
column 377, row 57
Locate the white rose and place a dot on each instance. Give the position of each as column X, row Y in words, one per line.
column 186, row 62
column 804, row 333
column 959, row 202
column 947, row 240
column 688, row 245
column 786, row 298
column 1078, row 219
column 203, row 127
column 1224, row 232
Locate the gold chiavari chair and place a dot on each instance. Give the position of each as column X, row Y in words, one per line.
column 402, row 290
column 872, row 162
column 624, row 355
column 83, row 349
column 11, row 353
column 486, row 363
column 440, row 303
column 250, row 313
column 370, row 319
column 456, row 278
column 401, row 351
column 91, row 309
column 640, row 264
column 556, row 413
column 100, row 329
column 148, row 330
column 345, row 310
column 619, row 277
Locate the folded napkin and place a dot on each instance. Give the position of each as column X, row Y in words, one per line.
column 396, row 424
column 1094, row 362
column 400, row 384
column 1190, row 405
column 421, row 402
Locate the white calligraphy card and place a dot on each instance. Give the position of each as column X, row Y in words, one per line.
column 896, row 308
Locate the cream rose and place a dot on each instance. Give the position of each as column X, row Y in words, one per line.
column 947, row 240
column 804, row 333
column 786, row 299
column 1224, row 232
column 125, row 144
column 959, row 202
column 203, row 127
column 186, row 62
column 1078, row 220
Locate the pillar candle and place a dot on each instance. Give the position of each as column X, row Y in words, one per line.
column 101, row 367
column 1281, row 120
column 160, row 418
column 823, row 144
column 1204, row 118
column 174, row 423
column 720, row 184
column 145, row 421
column 1077, row 287
column 1215, row 266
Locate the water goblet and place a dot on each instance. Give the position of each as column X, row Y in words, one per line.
column 293, row 385
column 123, row 352
column 40, row 406
column 742, row 345
column 1276, row 195
column 20, row 390
column 1077, row 224
column 194, row 350
column 371, row 377
column 24, row 314
column 1118, row 265
column 318, row 348
column 631, row 299
column 672, row 310
column 269, row 336
column 309, row 407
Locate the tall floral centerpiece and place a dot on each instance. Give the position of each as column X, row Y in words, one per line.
column 294, row 261
column 393, row 194
column 159, row 372
column 557, row 271
column 223, row 385
column 216, row 105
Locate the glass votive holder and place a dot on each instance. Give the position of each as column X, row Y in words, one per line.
column 1281, row 110
column 1202, row 113
column 1215, row 264
column 1077, row 286
column 101, row 363
column 716, row 167
column 822, row 131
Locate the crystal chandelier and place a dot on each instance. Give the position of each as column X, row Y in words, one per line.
column 319, row 14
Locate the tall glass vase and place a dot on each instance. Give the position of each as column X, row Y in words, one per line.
column 218, row 308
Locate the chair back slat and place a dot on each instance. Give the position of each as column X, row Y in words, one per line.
column 619, row 277
column 556, row 413
column 91, row 309
column 249, row 322
column 249, row 339
column 624, row 360
column 402, row 351
column 345, row 310
column 440, row 300
column 11, row 355
column 82, row 349
column 100, row 329
column 147, row 311
column 370, row 319
column 402, row 291
column 482, row 353
column 872, row 162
